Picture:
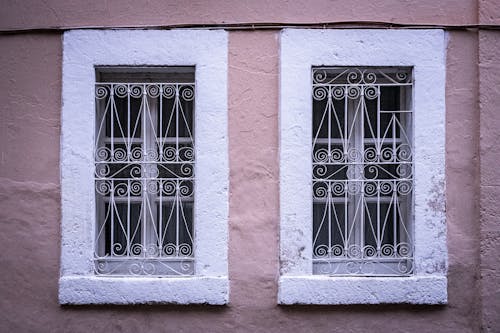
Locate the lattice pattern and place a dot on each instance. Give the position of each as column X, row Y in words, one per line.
column 144, row 178
column 362, row 171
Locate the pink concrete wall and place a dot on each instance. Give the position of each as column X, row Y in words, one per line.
column 489, row 98
column 30, row 89
column 74, row 13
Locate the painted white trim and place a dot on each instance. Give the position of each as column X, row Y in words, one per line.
column 136, row 290
column 82, row 51
column 321, row 289
column 424, row 50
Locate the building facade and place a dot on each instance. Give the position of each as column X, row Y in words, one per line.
column 247, row 232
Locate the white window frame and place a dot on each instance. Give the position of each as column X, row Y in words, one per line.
column 83, row 51
column 425, row 51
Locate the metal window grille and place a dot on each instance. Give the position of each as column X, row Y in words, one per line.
column 362, row 171
column 144, row 175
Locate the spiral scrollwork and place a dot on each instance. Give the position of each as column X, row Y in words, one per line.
column 185, row 250
column 185, row 188
column 354, row 154
column 404, row 249
column 320, row 93
column 355, row 76
column 101, row 92
column 320, row 190
column 153, row 90
column 321, row 251
column 120, row 90
column 401, row 76
column 103, row 187
column 370, row 154
column 404, row 152
column 386, row 187
column 169, row 154
column 169, row 187
column 186, row 154
column 102, row 154
column 371, row 171
column 168, row 91
column 187, row 93
column 118, row 249
column 319, row 170
column 369, row 251
column 404, row 187
column 353, row 92
column 136, row 91
column 136, row 154
column 387, row 250
column 187, row 170
column 354, row 188
column 135, row 188
column 170, row 249
column 136, row 249
column 405, row 266
column 369, row 77
column 371, row 92
column 101, row 170
column 354, row 171
column 119, row 155
column 370, row 189
column 136, row 171
column 354, row 251
column 320, row 155
column 386, row 154
column 338, row 188
column 319, row 76
column 338, row 93
column 121, row 189
column 152, row 187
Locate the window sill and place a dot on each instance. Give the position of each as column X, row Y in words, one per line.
column 143, row 290
column 328, row 290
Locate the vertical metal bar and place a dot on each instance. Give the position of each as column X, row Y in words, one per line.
column 177, row 101
column 177, row 203
column 112, row 122
column 129, row 139
column 177, row 87
column 143, row 173
column 329, row 107
column 128, row 218
column 112, row 216
column 394, row 193
column 378, row 148
column 346, row 123
column 329, row 205
column 378, row 141
column 362, row 192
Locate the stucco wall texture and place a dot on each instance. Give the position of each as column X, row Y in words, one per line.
column 30, row 90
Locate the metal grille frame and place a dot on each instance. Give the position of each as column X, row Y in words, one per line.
column 362, row 171
column 144, row 178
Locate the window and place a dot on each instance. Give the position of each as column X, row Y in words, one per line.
column 362, row 136
column 144, row 206
column 144, row 160
column 362, row 170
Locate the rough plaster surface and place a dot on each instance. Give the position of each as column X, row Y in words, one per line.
column 489, row 12
column 302, row 49
column 30, row 207
column 136, row 290
column 74, row 13
column 82, row 51
column 489, row 97
column 319, row 289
